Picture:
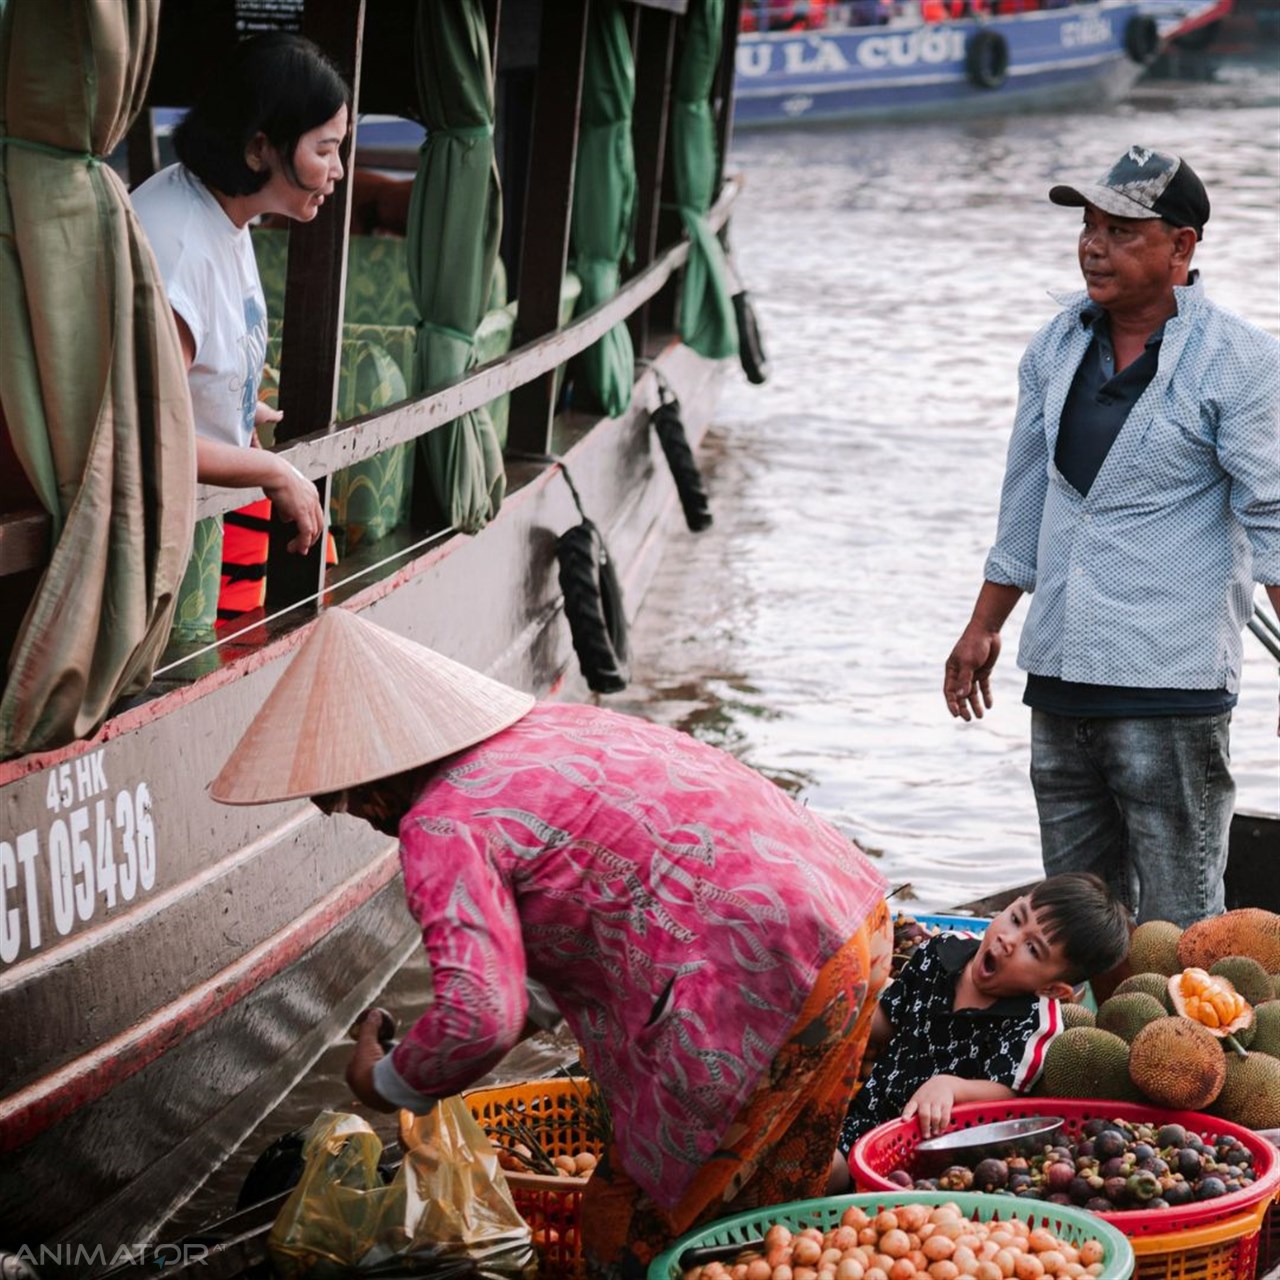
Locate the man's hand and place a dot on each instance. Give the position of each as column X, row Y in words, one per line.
column 368, row 1052
column 931, row 1105
column 966, row 684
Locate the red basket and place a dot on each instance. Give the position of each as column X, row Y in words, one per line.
column 891, row 1145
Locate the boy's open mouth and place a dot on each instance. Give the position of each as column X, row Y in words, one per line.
column 986, row 963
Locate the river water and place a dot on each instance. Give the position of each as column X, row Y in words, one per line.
column 898, row 272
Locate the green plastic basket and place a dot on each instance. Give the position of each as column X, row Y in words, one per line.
column 1065, row 1221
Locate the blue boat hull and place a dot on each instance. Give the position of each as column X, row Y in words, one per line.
column 1055, row 56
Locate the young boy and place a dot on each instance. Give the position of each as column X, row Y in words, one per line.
column 970, row 1017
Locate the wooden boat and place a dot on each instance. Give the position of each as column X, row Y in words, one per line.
column 896, row 59
column 147, row 1030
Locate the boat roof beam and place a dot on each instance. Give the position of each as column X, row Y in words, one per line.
column 544, row 250
column 314, row 295
column 655, row 43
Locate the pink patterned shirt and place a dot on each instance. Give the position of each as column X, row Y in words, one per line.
column 676, row 904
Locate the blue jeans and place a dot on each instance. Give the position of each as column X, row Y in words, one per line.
column 1145, row 803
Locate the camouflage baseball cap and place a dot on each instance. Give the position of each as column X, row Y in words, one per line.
column 1145, row 184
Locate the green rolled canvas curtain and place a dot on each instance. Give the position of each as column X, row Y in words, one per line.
column 604, row 199
column 92, row 380
column 455, row 220
column 706, row 320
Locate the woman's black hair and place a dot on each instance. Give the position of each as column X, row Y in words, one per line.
column 280, row 85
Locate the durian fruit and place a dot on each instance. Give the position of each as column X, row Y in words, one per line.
column 1152, row 984
column 1153, row 948
column 1247, row 931
column 1087, row 1062
column 1126, row 1014
column 1076, row 1015
column 1177, row 1063
column 1251, row 1092
column 1266, row 1029
column 1248, row 977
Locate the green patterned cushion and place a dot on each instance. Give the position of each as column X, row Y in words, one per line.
column 197, row 611
column 377, row 277
column 371, row 498
column 378, row 282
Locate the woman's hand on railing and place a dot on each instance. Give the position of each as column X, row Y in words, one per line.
column 294, row 498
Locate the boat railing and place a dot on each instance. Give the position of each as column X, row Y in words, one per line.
column 324, row 452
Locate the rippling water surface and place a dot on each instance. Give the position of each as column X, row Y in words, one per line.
column 898, row 272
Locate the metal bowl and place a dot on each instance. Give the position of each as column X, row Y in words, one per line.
column 1022, row 1136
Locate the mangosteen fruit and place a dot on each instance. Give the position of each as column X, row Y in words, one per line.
column 1058, row 1175
column 1178, row 1193
column 1091, row 1128
column 1171, row 1135
column 956, row 1178
column 1098, row 1204
column 1188, row 1162
column 1157, row 1202
column 1085, row 1149
column 1142, row 1151
column 990, row 1175
column 1058, row 1197
column 1210, row 1188
column 1142, row 1185
column 1114, row 1168
column 1114, row 1189
column 901, row 1178
column 1109, row 1143
column 1079, row 1190
column 1020, row 1183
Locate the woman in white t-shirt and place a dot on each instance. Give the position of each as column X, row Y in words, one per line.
column 264, row 138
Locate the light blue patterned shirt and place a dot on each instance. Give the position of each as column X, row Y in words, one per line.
column 1148, row 581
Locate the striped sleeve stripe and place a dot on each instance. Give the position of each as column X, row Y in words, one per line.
column 1048, row 1025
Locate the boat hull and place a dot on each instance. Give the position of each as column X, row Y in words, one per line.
column 148, row 1031
column 918, row 69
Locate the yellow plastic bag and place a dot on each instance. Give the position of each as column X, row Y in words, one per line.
column 447, row 1212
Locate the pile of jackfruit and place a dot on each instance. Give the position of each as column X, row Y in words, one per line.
column 1195, row 1028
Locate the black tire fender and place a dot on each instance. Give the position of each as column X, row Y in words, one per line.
column 593, row 608
column 683, row 465
column 986, row 59
column 755, row 364
column 1142, row 39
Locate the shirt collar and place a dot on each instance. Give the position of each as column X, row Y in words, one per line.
column 954, row 952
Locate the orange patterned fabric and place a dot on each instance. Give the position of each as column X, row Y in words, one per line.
column 779, row 1146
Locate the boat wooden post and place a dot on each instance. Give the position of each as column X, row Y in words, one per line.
column 655, row 59
column 314, row 294
column 557, row 109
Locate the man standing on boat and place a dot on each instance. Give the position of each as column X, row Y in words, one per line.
column 1141, row 502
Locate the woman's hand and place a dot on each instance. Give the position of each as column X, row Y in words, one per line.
column 295, row 499
column 368, row 1052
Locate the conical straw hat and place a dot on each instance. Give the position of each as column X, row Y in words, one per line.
column 359, row 702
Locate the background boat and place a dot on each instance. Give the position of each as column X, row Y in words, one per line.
column 886, row 59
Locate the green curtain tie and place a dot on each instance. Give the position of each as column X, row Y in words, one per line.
column 446, row 331
column 463, row 131
column 49, row 149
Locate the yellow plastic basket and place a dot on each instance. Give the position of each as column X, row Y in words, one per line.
column 1225, row 1250
column 551, row 1206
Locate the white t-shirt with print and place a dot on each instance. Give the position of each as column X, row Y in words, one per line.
column 211, row 278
